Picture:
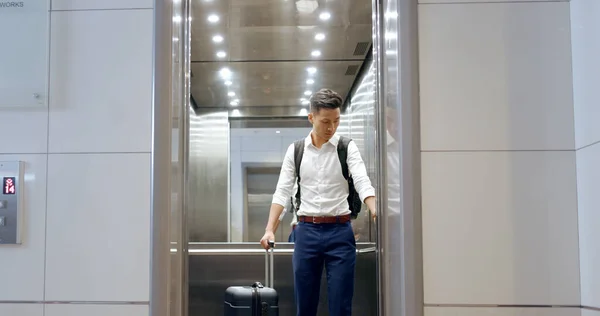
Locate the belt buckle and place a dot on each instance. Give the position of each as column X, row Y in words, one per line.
column 314, row 220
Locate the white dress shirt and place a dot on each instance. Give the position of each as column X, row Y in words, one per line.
column 323, row 189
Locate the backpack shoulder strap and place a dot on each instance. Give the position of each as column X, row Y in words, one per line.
column 342, row 150
column 298, row 152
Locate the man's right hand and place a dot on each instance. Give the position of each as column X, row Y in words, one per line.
column 269, row 236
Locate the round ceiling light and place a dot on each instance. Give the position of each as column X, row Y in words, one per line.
column 217, row 38
column 213, row 18
column 324, row 16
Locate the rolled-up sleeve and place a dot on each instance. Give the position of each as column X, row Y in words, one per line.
column 287, row 177
column 358, row 171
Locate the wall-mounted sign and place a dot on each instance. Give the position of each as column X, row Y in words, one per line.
column 24, row 47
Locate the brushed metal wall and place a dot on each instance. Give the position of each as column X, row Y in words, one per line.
column 213, row 268
column 208, row 177
column 358, row 123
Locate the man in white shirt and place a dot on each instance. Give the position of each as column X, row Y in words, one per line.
column 323, row 235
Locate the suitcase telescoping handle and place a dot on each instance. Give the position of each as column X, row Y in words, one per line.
column 269, row 265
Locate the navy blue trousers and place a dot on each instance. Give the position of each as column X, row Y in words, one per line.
column 324, row 245
column 292, row 236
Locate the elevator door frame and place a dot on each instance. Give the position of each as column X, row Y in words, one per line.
column 404, row 82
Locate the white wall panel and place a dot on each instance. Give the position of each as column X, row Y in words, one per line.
column 96, row 310
column 495, row 76
column 588, row 185
column 98, row 227
column 101, row 81
column 261, row 143
column 505, row 311
column 27, row 131
column 585, row 29
column 21, row 310
column 500, row 228
column 23, row 265
column 101, row 4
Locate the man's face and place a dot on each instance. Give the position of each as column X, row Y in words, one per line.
column 325, row 122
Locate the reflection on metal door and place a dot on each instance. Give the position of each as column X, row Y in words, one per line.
column 260, row 185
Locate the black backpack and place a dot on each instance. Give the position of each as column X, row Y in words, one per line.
column 354, row 201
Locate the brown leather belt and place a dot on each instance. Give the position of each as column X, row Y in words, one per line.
column 324, row 219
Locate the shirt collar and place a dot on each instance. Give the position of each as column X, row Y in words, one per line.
column 333, row 140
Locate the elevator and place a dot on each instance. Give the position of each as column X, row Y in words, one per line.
column 240, row 74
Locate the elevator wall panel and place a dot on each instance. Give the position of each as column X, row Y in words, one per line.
column 208, row 174
column 358, row 123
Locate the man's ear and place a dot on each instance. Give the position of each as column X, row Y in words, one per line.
column 310, row 117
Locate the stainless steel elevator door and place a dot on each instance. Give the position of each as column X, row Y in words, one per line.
column 260, row 186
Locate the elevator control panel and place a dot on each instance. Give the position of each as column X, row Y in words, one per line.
column 11, row 202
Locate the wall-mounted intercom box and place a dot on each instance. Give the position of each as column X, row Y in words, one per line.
column 11, row 202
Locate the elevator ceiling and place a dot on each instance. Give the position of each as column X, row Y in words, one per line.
column 272, row 54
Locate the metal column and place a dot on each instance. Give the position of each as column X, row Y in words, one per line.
column 399, row 249
column 161, row 159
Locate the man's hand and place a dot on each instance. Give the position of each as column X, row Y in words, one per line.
column 370, row 201
column 269, row 236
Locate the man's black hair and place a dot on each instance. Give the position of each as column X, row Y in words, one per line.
column 325, row 99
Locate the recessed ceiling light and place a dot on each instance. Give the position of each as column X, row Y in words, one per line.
column 307, row 92
column 305, row 102
column 311, row 70
column 320, row 36
column 221, row 54
column 303, row 112
column 231, row 94
column 277, row 132
column 235, row 112
column 234, row 103
column 175, row 39
column 225, row 73
column 217, row 38
column 228, row 83
column 310, row 81
column 316, row 53
column 213, row 18
column 324, row 16
column 177, row 19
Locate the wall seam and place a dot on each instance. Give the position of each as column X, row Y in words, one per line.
column 100, row 153
column 494, row 2
column 48, row 89
column 588, row 145
column 100, row 9
column 493, row 150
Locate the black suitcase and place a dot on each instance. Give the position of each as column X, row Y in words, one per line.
column 256, row 299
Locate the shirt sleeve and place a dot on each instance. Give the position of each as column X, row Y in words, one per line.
column 358, row 171
column 287, row 177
